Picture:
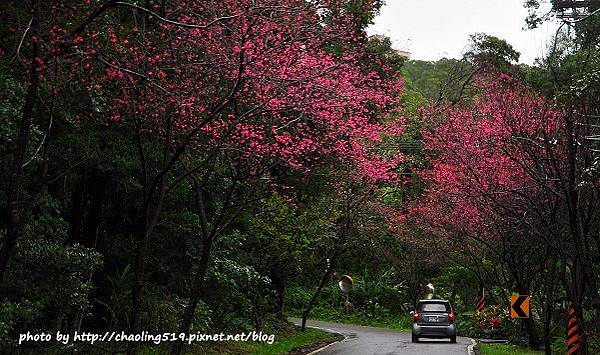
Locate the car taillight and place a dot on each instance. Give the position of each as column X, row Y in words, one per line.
column 451, row 317
column 416, row 316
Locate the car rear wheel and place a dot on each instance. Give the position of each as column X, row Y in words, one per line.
column 415, row 339
column 453, row 339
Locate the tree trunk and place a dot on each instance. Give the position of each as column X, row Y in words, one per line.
column 583, row 339
column 138, row 290
column 77, row 197
column 140, row 266
column 582, row 272
column 547, row 321
column 96, row 186
column 324, row 278
column 534, row 338
column 549, row 307
column 13, row 232
column 278, row 283
column 188, row 315
column 280, row 298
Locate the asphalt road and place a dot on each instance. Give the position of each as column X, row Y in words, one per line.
column 367, row 340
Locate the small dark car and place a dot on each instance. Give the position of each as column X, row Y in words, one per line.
column 433, row 319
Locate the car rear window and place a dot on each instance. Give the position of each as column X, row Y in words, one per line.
column 433, row 307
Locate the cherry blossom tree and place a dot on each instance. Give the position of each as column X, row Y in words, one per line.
column 254, row 80
column 259, row 85
column 483, row 158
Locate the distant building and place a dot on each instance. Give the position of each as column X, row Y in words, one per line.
column 405, row 54
column 566, row 4
column 572, row 9
column 401, row 52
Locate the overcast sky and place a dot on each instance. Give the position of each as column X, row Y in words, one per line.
column 433, row 29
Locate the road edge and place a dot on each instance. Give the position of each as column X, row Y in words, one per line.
column 471, row 348
column 328, row 345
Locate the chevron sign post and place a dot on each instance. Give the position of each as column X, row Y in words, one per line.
column 572, row 332
column 519, row 306
column 480, row 300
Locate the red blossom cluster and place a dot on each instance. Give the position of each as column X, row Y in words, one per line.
column 258, row 77
column 481, row 156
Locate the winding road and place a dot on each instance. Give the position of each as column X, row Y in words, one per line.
column 367, row 340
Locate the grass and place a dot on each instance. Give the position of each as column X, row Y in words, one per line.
column 505, row 349
column 288, row 340
column 307, row 339
column 380, row 320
